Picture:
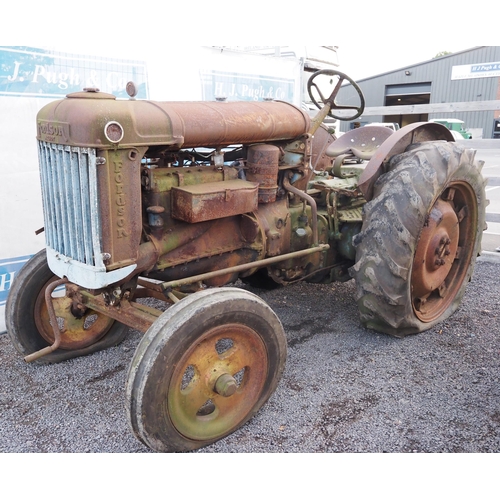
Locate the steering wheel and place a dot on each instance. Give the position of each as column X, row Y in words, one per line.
column 312, row 84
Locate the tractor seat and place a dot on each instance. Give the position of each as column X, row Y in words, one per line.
column 359, row 142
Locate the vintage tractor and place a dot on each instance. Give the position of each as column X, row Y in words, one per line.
column 149, row 203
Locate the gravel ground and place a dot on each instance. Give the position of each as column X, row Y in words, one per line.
column 345, row 389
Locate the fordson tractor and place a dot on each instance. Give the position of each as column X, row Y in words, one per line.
column 172, row 201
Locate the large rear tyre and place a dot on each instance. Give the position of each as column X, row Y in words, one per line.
column 420, row 237
column 203, row 369
column 29, row 326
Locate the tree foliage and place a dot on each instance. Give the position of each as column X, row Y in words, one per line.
column 442, row 53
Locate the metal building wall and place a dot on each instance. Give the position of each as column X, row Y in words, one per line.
column 443, row 90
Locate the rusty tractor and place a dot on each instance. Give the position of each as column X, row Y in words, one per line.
column 148, row 203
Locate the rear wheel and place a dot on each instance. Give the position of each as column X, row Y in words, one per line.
column 420, row 237
column 203, row 369
column 29, row 326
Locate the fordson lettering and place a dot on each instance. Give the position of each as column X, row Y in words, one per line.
column 120, row 201
column 50, row 129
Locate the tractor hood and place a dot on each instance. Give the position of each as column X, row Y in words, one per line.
column 99, row 120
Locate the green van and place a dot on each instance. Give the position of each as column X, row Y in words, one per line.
column 453, row 124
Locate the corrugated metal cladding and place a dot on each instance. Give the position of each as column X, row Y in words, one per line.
column 435, row 74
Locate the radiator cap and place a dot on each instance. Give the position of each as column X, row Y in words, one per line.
column 91, row 93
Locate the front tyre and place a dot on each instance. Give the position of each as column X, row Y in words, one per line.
column 203, row 369
column 420, row 237
column 28, row 323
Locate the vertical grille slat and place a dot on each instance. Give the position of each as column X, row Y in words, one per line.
column 54, row 213
column 77, row 221
column 47, row 195
column 54, row 189
column 74, row 203
column 83, row 168
column 70, row 202
column 64, row 205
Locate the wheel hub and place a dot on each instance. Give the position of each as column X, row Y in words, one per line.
column 437, row 249
column 205, row 399
column 226, row 385
column 76, row 332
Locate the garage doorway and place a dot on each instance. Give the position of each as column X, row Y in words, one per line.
column 407, row 95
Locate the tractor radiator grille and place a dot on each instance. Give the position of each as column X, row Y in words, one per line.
column 70, row 202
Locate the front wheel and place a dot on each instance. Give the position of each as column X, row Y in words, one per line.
column 203, row 369
column 29, row 326
column 420, row 237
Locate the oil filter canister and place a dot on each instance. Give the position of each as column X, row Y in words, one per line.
column 262, row 167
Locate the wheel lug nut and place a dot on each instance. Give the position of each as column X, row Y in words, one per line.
column 226, row 385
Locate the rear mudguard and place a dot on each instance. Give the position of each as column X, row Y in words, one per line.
column 396, row 144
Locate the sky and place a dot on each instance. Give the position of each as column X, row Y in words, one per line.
column 373, row 38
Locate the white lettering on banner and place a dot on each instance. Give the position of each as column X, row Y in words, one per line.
column 116, row 81
column 62, row 80
column 280, row 94
column 12, row 78
column 219, row 89
column 246, row 87
column 74, row 78
column 257, row 92
column 6, row 281
column 9, row 269
column 92, row 80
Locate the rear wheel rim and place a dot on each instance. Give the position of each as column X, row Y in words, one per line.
column 443, row 252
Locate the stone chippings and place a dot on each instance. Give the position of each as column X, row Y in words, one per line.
column 344, row 389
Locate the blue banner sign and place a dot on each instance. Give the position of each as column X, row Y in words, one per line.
column 239, row 87
column 469, row 71
column 486, row 68
column 8, row 270
column 32, row 72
